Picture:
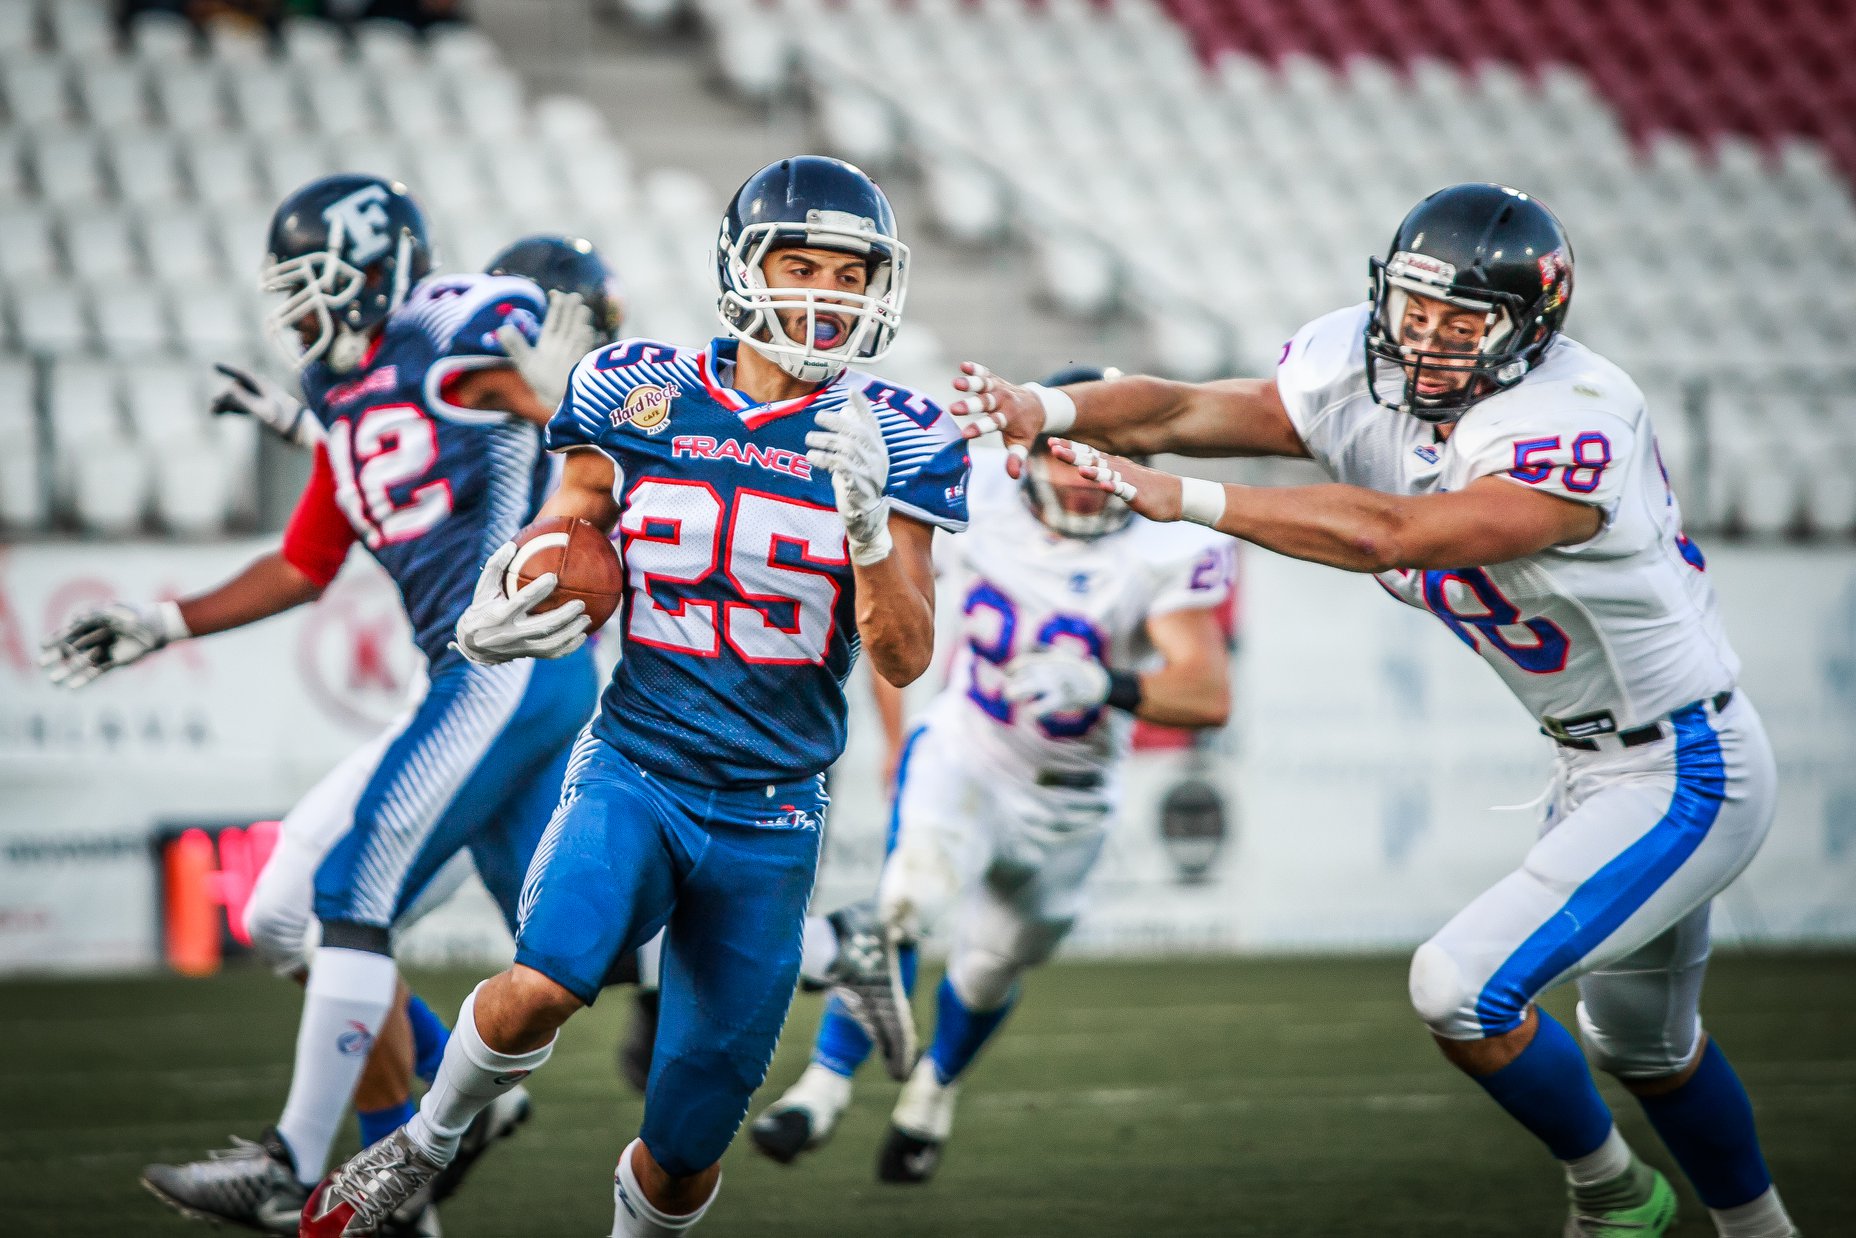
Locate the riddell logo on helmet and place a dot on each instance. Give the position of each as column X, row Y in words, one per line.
column 1431, row 270
column 647, row 408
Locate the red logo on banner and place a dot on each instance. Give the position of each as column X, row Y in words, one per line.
column 355, row 655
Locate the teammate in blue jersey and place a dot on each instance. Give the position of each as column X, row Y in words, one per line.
column 777, row 508
column 421, row 405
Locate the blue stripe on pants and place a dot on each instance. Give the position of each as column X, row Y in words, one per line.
column 1605, row 900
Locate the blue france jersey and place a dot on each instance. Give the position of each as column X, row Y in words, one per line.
column 740, row 622
column 432, row 489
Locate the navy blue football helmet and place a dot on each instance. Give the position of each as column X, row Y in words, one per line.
column 567, row 264
column 1481, row 247
column 344, row 250
column 1075, row 510
column 815, row 203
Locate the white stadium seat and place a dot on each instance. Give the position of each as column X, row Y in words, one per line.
column 161, row 39
column 140, row 324
column 213, row 323
column 66, row 167
column 166, row 402
column 313, row 45
column 35, row 91
column 52, row 319
column 180, row 247
column 193, row 480
column 100, row 245
column 191, row 97
column 145, row 165
column 31, row 252
column 265, row 102
column 107, row 482
column 223, row 171
column 114, row 93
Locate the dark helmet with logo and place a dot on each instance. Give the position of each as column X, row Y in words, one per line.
column 567, row 264
column 1480, row 247
column 1045, row 497
column 816, row 203
column 346, row 250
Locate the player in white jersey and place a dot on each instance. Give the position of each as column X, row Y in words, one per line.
column 1075, row 618
column 1506, row 477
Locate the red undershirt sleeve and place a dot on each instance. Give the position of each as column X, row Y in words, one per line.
column 317, row 539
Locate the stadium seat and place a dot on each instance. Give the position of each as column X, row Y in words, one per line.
column 223, row 172
column 160, row 39
column 30, row 253
column 106, row 484
column 66, row 167
column 113, row 93
column 51, row 319
column 100, row 245
column 81, row 27
column 193, row 478
column 314, row 46
column 165, row 401
column 145, row 165
column 190, row 97
column 35, row 91
column 140, row 323
column 265, row 102
column 213, row 322
column 341, row 101
column 180, row 248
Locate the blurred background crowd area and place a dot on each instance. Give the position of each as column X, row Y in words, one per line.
column 1163, row 185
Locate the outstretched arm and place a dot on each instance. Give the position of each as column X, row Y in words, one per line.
column 1135, row 415
column 1491, row 520
column 1192, row 685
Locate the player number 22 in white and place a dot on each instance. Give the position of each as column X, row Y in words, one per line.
column 776, row 552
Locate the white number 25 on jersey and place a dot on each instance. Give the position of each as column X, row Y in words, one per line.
column 675, row 533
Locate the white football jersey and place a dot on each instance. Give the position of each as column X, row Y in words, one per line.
column 1605, row 635
column 1018, row 587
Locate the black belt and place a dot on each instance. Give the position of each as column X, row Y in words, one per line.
column 1638, row 736
column 1070, row 779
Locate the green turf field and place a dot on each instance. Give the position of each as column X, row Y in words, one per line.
column 1280, row 1097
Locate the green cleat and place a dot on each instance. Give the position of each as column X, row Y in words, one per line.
column 1649, row 1219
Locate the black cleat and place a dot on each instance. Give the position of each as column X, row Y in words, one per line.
column 907, row 1159
column 640, row 1040
column 782, row 1134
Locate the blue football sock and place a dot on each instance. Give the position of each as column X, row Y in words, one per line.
column 377, row 1124
column 842, row 1046
column 959, row 1032
column 429, row 1037
column 1707, row 1125
column 1549, row 1090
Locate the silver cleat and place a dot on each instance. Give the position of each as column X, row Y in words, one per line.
column 866, row 978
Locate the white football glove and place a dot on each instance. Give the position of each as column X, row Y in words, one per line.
column 1055, row 681
column 108, row 639
column 495, row 629
column 268, row 404
column 567, row 334
column 849, row 444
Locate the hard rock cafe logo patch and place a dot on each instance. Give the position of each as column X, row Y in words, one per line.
column 1555, row 277
column 647, row 408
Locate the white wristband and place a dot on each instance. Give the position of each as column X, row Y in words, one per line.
column 172, row 625
column 1201, row 501
column 1059, row 408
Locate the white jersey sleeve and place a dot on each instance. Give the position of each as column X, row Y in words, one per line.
column 1567, row 439
column 1194, row 570
column 1321, row 368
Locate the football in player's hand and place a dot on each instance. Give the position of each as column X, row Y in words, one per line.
column 583, row 560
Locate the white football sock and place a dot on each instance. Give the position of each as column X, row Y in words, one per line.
column 1610, row 1160
column 634, row 1216
column 818, row 950
column 1764, row 1217
column 349, row 994
column 471, row 1076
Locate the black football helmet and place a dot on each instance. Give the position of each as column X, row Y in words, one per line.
column 1045, row 497
column 817, row 203
column 1481, row 247
column 568, row 264
column 345, row 249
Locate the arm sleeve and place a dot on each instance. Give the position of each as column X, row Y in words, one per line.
column 586, row 409
column 929, row 469
column 1313, row 364
column 1198, row 578
column 1579, row 458
column 317, row 539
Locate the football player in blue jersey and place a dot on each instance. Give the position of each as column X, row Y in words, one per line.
column 420, row 402
column 777, row 507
